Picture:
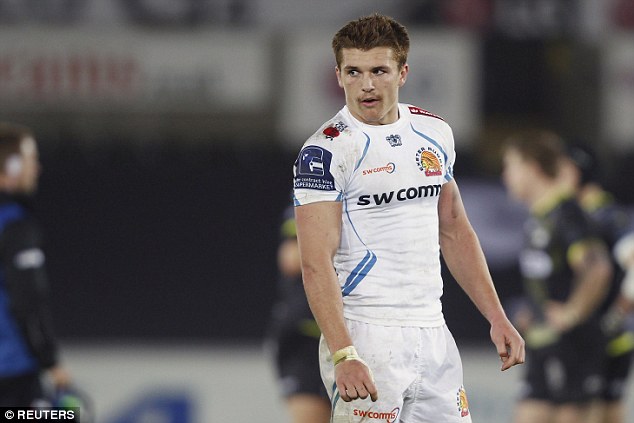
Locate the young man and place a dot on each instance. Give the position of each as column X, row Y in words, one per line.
column 376, row 204
column 27, row 344
column 580, row 172
column 566, row 270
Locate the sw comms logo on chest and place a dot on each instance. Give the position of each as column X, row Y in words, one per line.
column 388, row 168
column 312, row 169
column 428, row 161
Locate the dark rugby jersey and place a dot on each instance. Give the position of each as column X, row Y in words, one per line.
column 613, row 222
column 549, row 237
column 292, row 314
column 27, row 343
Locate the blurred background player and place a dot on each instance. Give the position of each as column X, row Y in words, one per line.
column 28, row 347
column 581, row 172
column 624, row 254
column 294, row 335
column 566, row 272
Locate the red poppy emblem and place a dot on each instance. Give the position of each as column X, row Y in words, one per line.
column 331, row 132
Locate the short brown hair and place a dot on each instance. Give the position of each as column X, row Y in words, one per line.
column 543, row 147
column 11, row 135
column 373, row 31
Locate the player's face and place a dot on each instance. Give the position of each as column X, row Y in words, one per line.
column 569, row 175
column 517, row 173
column 371, row 80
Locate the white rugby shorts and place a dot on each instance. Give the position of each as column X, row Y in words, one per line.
column 417, row 371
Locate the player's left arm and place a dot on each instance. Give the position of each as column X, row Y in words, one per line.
column 465, row 259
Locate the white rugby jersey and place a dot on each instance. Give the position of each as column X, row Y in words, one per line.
column 389, row 178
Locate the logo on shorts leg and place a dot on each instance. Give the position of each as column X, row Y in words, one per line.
column 388, row 416
column 463, row 403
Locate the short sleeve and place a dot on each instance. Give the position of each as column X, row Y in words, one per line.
column 450, row 151
column 319, row 173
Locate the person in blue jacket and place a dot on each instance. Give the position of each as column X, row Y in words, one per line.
column 28, row 348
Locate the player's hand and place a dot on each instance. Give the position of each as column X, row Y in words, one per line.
column 60, row 376
column 509, row 343
column 612, row 321
column 523, row 320
column 354, row 380
column 561, row 317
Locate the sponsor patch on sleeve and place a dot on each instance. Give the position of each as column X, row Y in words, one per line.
column 312, row 169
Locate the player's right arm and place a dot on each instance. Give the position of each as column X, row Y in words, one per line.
column 624, row 254
column 590, row 262
column 319, row 235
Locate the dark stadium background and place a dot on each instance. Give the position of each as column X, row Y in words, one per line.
column 167, row 239
column 165, row 242
column 181, row 244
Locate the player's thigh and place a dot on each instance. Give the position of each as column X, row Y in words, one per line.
column 571, row 413
column 532, row 411
column 438, row 395
column 390, row 353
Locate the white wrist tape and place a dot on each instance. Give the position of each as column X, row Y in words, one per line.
column 347, row 353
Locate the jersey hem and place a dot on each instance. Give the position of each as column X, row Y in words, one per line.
column 417, row 323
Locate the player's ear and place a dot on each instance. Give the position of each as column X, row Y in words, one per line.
column 403, row 75
column 338, row 72
column 13, row 165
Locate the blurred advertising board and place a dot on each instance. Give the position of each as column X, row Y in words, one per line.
column 127, row 70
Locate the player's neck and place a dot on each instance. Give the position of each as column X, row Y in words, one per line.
column 546, row 196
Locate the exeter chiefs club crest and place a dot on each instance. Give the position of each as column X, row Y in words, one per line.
column 428, row 161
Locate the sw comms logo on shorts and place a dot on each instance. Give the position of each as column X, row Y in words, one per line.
column 428, row 161
column 388, row 416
